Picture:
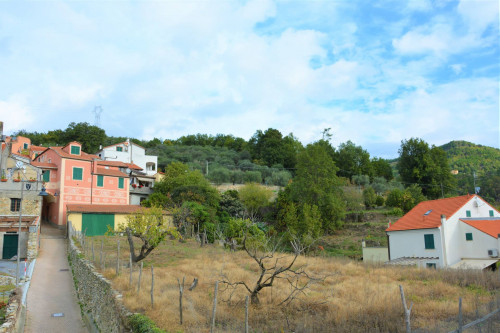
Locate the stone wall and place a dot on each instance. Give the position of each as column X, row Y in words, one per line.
column 33, row 237
column 100, row 303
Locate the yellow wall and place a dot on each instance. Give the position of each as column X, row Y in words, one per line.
column 120, row 219
column 76, row 220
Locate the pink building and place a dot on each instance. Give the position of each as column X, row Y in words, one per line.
column 72, row 176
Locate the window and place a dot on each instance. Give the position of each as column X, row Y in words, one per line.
column 100, row 180
column 467, row 213
column 429, row 242
column 15, row 204
column 491, row 213
column 120, row 182
column 431, row 265
column 77, row 173
column 468, row 236
column 75, row 150
column 118, row 148
column 46, row 176
column 25, row 146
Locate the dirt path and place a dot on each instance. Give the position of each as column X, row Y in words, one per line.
column 52, row 290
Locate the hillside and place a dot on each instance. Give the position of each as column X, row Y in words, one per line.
column 467, row 157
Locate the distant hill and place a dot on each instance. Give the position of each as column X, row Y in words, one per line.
column 467, row 157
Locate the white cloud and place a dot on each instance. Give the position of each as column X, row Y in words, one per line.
column 16, row 114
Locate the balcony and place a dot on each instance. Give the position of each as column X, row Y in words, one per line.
column 141, row 190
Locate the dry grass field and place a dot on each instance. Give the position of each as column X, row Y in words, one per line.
column 352, row 297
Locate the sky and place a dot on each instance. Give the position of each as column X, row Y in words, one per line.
column 375, row 72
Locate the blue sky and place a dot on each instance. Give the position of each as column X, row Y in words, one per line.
column 375, row 72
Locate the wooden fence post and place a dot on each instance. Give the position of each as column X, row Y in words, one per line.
column 100, row 260
column 131, row 271
column 214, row 309
column 152, row 286
column 181, row 292
column 118, row 259
column 406, row 309
column 460, row 315
column 140, row 276
column 246, row 314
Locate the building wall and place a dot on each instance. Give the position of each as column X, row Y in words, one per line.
column 375, row 254
column 24, row 242
column 410, row 243
column 120, row 219
column 131, row 154
column 76, row 220
column 454, row 236
column 478, row 247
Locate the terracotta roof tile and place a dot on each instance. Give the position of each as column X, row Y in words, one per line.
column 110, row 172
column 118, row 164
column 488, row 226
column 84, row 156
column 133, row 166
column 37, row 148
column 87, row 208
column 415, row 218
column 44, row 165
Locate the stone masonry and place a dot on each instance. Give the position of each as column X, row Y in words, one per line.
column 98, row 299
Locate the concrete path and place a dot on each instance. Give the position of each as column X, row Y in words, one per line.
column 52, row 289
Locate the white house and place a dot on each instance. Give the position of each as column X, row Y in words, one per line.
column 130, row 152
column 460, row 232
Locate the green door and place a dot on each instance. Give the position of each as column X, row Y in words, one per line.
column 97, row 224
column 9, row 246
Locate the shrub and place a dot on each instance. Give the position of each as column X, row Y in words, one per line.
column 142, row 324
column 379, row 201
column 395, row 212
column 252, row 177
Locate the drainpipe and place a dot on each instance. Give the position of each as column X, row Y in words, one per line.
column 443, row 240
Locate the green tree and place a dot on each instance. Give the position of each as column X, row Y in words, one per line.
column 352, row 160
column 254, row 197
column 151, row 227
column 316, row 183
column 89, row 136
column 381, row 168
column 369, row 197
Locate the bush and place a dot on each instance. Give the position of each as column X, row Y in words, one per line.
column 379, row 201
column 395, row 212
column 142, row 324
column 219, row 175
column 252, row 177
column 369, row 197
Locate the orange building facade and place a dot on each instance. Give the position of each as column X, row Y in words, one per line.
column 72, row 176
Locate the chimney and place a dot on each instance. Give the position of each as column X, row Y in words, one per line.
column 100, row 147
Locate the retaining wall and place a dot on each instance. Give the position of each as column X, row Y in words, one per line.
column 101, row 305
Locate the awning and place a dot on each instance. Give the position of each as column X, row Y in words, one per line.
column 144, row 179
column 474, row 263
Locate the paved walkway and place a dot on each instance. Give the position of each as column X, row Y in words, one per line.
column 52, row 290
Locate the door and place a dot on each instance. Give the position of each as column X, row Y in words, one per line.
column 97, row 224
column 9, row 246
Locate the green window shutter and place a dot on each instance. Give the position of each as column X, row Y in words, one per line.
column 77, row 173
column 468, row 236
column 119, row 148
column 25, row 146
column 75, row 150
column 100, row 180
column 120, row 183
column 429, row 242
column 491, row 213
column 46, row 176
column 467, row 213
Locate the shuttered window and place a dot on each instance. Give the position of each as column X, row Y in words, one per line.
column 467, row 213
column 77, row 173
column 468, row 236
column 120, row 183
column 100, row 180
column 119, row 148
column 46, row 176
column 491, row 213
column 75, row 150
column 429, row 242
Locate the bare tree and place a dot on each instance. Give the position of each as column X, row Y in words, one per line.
column 272, row 266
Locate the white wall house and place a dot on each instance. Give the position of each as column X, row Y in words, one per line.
column 460, row 232
column 129, row 152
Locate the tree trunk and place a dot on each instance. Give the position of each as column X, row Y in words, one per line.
column 254, row 298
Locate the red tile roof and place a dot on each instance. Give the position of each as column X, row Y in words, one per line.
column 490, row 227
column 415, row 218
column 133, row 166
column 118, row 164
column 84, row 156
column 110, row 172
column 44, row 165
column 87, row 208
column 38, row 148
